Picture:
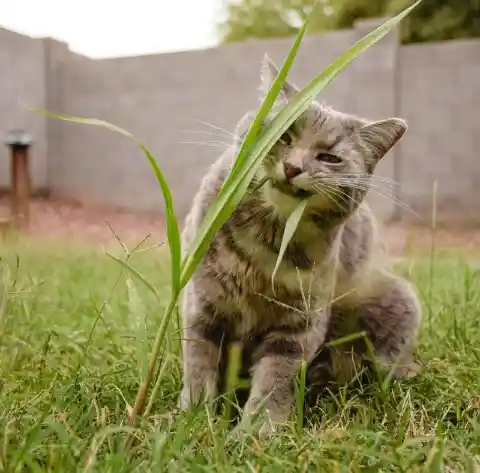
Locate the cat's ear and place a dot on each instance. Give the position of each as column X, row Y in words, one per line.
column 268, row 73
column 378, row 138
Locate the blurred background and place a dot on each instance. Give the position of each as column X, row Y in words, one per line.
column 179, row 75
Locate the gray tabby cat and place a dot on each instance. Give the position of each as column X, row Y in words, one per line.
column 331, row 282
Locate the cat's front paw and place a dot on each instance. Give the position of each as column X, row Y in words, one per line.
column 183, row 402
column 264, row 431
column 263, row 426
column 406, row 371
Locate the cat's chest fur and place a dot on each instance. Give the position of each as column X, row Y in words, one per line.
column 245, row 257
column 304, row 264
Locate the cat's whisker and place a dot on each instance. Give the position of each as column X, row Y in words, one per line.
column 365, row 188
column 396, row 201
column 385, row 189
column 210, row 144
column 333, row 193
column 324, row 192
column 351, row 198
column 374, row 177
column 354, row 182
column 378, row 191
column 209, row 133
column 337, row 193
column 216, row 127
column 340, row 193
column 373, row 183
column 389, row 186
column 368, row 186
column 361, row 186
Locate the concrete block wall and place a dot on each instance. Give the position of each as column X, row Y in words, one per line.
column 164, row 100
column 440, row 98
column 22, row 85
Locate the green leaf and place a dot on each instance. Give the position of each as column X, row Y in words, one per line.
column 137, row 274
column 256, row 146
column 243, row 171
column 290, row 227
column 173, row 233
column 137, row 311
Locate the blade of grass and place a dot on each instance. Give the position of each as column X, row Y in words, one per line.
column 137, row 311
column 137, row 274
column 253, row 151
column 173, row 233
column 245, row 166
column 233, row 376
column 300, row 396
column 270, row 98
column 290, row 227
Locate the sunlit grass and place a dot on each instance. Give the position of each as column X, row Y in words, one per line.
column 70, row 360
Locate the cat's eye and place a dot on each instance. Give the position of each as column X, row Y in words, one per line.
column 328, row 158
column 286, row 138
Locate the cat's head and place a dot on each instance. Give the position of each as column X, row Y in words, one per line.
column 326, row 156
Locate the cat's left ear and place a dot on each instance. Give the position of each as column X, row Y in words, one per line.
column 268, row 73
column 378, row 138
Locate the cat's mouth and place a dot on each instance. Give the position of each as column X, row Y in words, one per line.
column 293, row 191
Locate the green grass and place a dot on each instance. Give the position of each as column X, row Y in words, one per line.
column 74, row 342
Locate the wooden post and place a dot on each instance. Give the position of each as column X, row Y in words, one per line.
column 19, row 143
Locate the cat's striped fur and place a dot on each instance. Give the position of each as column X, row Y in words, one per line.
column 333, row 256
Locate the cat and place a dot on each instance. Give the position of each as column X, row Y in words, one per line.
column 332, row 281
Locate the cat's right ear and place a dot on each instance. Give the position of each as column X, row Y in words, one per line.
column 268, row 73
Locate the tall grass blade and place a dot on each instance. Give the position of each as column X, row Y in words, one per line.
column 137, row 311
column 243, row 171
column 257, row 145
column 234, row 367
column 434, row 463
column 136, row 273
column 173, row 233
column 300, row 396
column 290, row 227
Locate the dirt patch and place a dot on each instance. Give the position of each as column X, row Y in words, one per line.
column 87, row 223
column 80, row 222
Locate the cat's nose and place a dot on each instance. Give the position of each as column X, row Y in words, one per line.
column 291, row 170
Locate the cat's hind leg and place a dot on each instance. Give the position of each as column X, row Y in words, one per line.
column 389, row 313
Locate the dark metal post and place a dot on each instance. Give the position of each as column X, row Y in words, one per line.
column 19, row 143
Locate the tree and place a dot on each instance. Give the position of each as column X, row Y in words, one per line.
column 432, row 20
column 438, row 20
column 248, row 19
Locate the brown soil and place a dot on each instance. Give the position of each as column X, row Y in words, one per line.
column 87, row 223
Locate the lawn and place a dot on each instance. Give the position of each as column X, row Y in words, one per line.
column 75, row 338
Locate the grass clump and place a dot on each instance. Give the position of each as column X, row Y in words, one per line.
column 76, row 359
column 69, row 374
